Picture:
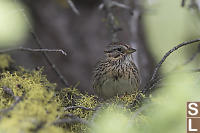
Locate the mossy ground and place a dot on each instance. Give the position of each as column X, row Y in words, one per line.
column 40, row 105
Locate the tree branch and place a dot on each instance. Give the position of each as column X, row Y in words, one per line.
column 115, row 4
column 8, row 91
column 73, row 7
column 154, row 80
column 168, row 53
column 81, row 107
column 33, row 50
column 16, row 98
column 72, row 119
column 38, row 42
column 49, row 60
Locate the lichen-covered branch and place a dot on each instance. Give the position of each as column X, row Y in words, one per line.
column 76, row 107
column 17, row 99
column 70, row 121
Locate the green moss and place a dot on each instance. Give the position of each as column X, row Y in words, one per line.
column 5, row 61
column 37, row 106
column 41, row 106
column 72, row 97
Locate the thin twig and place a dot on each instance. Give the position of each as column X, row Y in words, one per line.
column 73, row 7
column 49, row 60
column 153, row 81
column 32, row 50
column 38, row 42
column 76, row 107
column 120, row 5
column 114, row 4
column 168, row 53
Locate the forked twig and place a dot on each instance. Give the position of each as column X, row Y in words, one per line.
column 38, row 42
column 49, row 60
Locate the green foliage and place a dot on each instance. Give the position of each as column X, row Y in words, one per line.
column 12, row 19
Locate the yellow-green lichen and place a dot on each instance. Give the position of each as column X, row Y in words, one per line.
column 41, row 106
column 72, row 97
column 5, row 61
column 37, row 105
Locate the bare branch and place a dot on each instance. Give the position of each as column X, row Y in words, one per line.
column 49, row 60
column 33, row 50
column 38, row 42
column 167, row 54
column 120, row 5
column 76, row 107
column 73, row 7
column 111, row 20
column 115, row 4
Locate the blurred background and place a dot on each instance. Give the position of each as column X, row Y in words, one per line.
column 153, row 27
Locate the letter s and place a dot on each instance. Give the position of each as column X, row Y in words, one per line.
column 191, row 107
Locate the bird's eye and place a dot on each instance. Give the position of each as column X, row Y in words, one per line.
column 119, row 49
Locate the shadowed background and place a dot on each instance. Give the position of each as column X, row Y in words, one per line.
column 83, row 36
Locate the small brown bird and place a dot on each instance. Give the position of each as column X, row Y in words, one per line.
column 116, row 73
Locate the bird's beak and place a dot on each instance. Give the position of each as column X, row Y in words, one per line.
column 130, row 50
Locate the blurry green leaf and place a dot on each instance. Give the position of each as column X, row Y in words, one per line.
column 13, row 27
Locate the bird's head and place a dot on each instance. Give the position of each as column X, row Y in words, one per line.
column 118, row 51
